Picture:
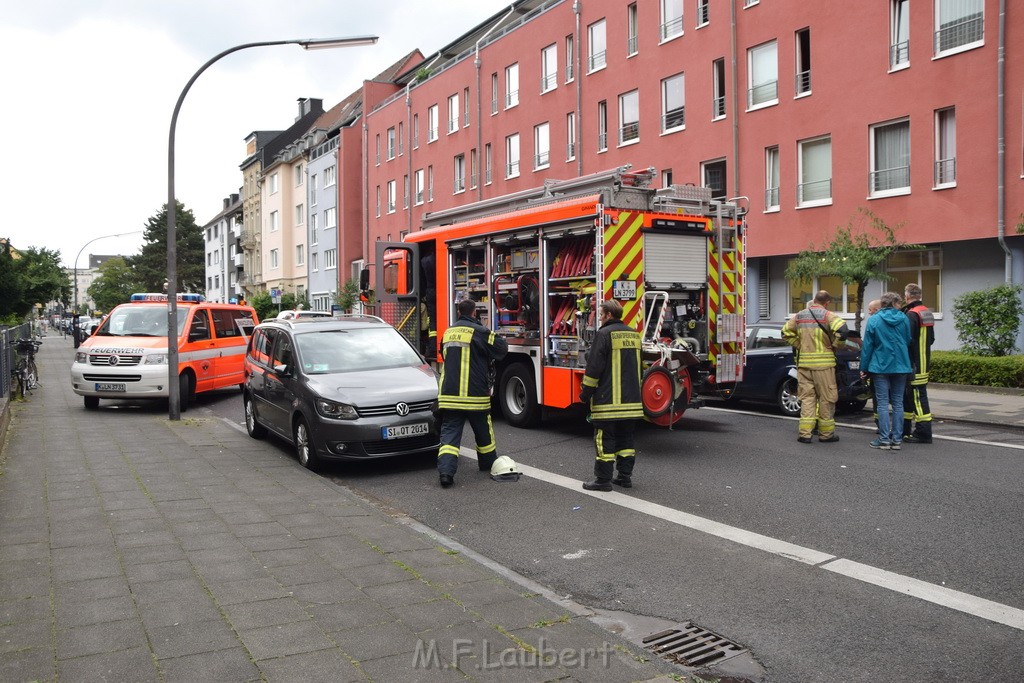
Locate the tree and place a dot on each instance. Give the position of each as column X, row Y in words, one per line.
column 29, row 277
column 348, row 295
column 987, row 321
column 115, row 284
column 855, row 254
column 150, row 265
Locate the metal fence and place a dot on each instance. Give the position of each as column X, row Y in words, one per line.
column 8, row 337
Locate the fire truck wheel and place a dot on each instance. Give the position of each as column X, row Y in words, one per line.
column 657, row 391
column 518, row 396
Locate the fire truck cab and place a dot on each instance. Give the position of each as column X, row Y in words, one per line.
column 538, row 262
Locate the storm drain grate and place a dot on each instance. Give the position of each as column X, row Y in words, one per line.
column 691, row 645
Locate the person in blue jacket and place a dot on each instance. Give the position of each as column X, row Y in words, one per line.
column 885, row 356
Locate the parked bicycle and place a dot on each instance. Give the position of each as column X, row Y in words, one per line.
column 25, row 372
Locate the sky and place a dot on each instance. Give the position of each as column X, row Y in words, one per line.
column 88, row 88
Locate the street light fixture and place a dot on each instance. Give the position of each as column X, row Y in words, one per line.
column 173, row 392
column 94, row 239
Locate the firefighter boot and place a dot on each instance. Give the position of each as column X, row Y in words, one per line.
column 603, row 470
column 624, row 465
column 485, row 460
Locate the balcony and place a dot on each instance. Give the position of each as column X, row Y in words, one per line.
column 238, row 260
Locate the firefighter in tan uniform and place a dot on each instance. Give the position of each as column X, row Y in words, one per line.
column 611, row 386
column 815, row 333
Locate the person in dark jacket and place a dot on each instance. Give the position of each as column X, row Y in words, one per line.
column 922, row 336
column 611, row 386
column 468, row 349
column 885, row 356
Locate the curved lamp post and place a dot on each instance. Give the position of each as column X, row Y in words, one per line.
column 173, row 393
column 94, row 239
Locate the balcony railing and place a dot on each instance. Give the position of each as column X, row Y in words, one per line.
column 963, row 32
column 541, row 160
column 453, row 125
column 494, row 106
column 512, row 169
column 673, row 119
column 459, row 185
column 548, row 82
column 596, row 61
column 602, row 141
column 419, row 197
column 803, row 82
column 570, row 151
column 487, row 177
column 511, row 98
column 945, row 171
column 629, row 132
column 765, row 92
column 632, row 45
column 702, row 13
column 672, row 28
column 814, row 191
column 887, row 179
column 718, row 107
column 771, row 198
column 899, row 54
column 568, row 68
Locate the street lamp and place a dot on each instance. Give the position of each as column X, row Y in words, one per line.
column 77, row 256
column 173, row 393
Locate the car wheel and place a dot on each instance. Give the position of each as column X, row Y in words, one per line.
column 304, row 448
column 518, row 396
column 186, row 392
column 91, row 402
column 255, row 429
column 787, row 399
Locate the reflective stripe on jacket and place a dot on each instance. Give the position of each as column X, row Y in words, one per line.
column 922, row 336
column 613, row 373
column 814, row 348
column 468, row 349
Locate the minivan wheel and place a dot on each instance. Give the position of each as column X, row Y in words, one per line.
column 255, row 429
column 186, row 392
column 92, row 402
column 304, row 448
column 787, row 399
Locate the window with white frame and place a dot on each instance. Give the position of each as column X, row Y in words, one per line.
column 300, row 174
column 763, row 75
column 548, row 68
column 465, row 107
column 392, row 191
column 844, row 296
column 300, row 214
column 415, row 131
column 511, row 86
column 718, row 89
column 272, row 183
column 495, row 99
column 541, row 146
column 890, row 158
column 899, row 34
column 673, row 103
column 803, row 62
column 378, row 202
column 945, row 147
column 377, row 143
column 300, row 254
column 453, row 113
column 771, row 179
column 274, row 221
column 459, row 174
column 432, row 123
column 474, row 169
column 405, row 191
column 430, row 183
column 274, row 258
column 418, row 180
column 314, row 229
column 330, row 218
column 632, row 30
column 391, row 143
column 330, row 176
column 602, row 126
column 629, row 117
column 815, row 172
column 330, row 259
column 313, row 179
column 959, row 25
column 488, row 164
column 570, row 56
column 597, row 46
column 922, row 267
column 671, row 19
column 713, row 174
column 512, row 156
column 570, row 136
column 703, row 14
column 401, row 138
column 314, row 261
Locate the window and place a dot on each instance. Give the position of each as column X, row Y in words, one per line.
column 671, row 19
column 922, row 267
column 432, row 123
column 418, row 180
column 511, row 86
column 405, row 191
column 548, row 68
column 488, row 164
column 602, row 126
column 959, row 25
column 762, row 75
column 453, row 114
column 629, row 117
column 844, row 297
column 597, row 46
column 632, row 31
column 401, row 138
column 378, row 201
column 391, row 143
column 803, row 62
column 330, row 259
column 312, row 189
column 392, row 191
column 512, row 156
column 890, row 159
column 275, row 223
column 815, row 172
column 666, row 177
column 300, row 174
column 541, row 146
column 377, row 142
column 465, row 107
column 899, row 34
column 570, row 136
column 718, row 79
column 474, row 169
column 300, row 214
column 771, row 179
column 415, row 131
column 459, row 167
column 330, row 176
column 945, row 147
column 273, row 183
column 494, row 94
column 570, row 57
column 300, row 254
column 713, row 173
column 313, row 229
column 330, row 218
column 430, row 183
column 703, row 16
column 314, row 262
column 673, row 104
column 274, row 260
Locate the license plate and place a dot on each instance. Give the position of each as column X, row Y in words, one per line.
column 405, row 431
column 855, row 365
column 110, row 386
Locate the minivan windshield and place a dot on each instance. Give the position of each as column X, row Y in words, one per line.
column 140, row 320
column 353, row 350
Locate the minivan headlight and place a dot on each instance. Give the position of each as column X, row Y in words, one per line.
column 337, row 411
column 81, row 357
column 156, row 359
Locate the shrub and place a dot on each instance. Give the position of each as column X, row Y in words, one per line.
column 987, row 321
column 954, row 367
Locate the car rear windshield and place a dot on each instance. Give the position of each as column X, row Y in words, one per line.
column 354, row 350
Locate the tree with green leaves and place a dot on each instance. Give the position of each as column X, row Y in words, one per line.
column 150, row 265
column 855, row 254
column 987, row 321
column 114, row 285
column 29, row 277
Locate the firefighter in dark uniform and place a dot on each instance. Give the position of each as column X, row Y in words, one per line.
column 611, row 386
column 922, row 336
column 468, row 349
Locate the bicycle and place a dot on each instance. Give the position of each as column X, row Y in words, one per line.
column 25, row 371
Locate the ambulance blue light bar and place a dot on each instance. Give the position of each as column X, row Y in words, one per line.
column 154, row 296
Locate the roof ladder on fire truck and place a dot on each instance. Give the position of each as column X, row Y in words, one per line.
column 730, row 315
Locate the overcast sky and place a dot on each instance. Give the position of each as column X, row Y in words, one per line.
column 88, row 88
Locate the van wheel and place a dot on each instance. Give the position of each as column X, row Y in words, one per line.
column 518, row 396
column 91, row 402
column 304, row 448
column 255, row 429
column 787, row 399
column 186, row 391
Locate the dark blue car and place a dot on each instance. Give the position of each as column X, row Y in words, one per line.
column 766, row 376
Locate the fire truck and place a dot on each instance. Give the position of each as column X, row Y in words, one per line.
column 538, row 262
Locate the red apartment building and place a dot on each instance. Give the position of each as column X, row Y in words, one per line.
column 812, row 111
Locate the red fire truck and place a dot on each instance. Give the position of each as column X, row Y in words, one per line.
column 537, row 262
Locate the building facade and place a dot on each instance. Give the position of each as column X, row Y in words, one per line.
column 222, row 241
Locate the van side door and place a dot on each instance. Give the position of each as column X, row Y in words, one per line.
column 229, row 342
column 199, row 350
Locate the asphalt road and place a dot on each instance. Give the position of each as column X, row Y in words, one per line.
column 775, row 545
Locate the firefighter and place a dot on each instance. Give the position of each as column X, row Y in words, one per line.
column 815, row 333
column 922, row 336
column 611, row 387
column 468, row 350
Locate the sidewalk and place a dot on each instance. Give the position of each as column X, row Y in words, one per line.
column 133, row 548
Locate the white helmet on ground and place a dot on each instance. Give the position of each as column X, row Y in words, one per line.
column 505, row 469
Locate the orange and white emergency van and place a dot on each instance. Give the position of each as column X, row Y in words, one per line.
column 537, row 263
column 126, row 357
